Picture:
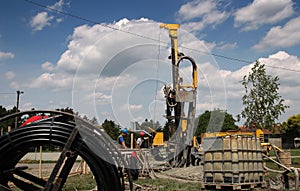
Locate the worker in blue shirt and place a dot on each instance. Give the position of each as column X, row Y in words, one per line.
column 121, row 138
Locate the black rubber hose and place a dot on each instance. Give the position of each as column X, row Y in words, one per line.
column 91, row 144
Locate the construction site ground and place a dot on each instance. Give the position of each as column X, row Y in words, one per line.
column 179, row 179
column 161, row 177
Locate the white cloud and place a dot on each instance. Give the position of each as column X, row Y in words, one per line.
column 27, row 106
column 40, row 21
column 48, row 66
column 43, row 19
column 132, row 107
column 14, row 85
column 58, row 5
column 226, row 46
column 100, row 98
column 263, row 12
column 195, row 9
column 104, row 76
column 54, row 81
column 10, row 75
column 200, row 14
column 6, row 55
column 281, row 37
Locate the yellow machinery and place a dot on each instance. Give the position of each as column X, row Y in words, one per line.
column 180, row 104
column 258, row 133
column 158, row 139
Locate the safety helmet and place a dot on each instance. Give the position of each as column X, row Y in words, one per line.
column 125, row 131
column 142, row 134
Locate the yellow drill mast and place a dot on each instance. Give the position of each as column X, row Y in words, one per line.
column 177, row 98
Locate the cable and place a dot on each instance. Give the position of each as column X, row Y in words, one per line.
column 149, row 38
column 88, row 20
column 281, row 68
column 157, row 75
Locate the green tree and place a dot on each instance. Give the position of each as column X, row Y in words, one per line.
column 216, row 120
column 262, row 102
column 169, row 130
column 67, row 109
column 112, row 129
column 292, row 126
column 10, row 122
column 94, row 121
column 290, row 130
column 146, row 124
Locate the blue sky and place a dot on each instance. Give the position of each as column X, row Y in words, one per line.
column 115, row 66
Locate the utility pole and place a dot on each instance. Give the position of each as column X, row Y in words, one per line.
column 18, row 101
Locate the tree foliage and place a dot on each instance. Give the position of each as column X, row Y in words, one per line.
column 217, row 121
column 11, row 122
column 169, row 130
column 292, row 126
column 262, row 102
column 111, row 128
column 150, row 123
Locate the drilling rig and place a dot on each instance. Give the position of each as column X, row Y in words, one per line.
column 180, row 104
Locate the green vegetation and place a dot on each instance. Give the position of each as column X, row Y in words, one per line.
column 216, row 120
column 168, row 185
column 291, row 127
column 111, row 128
column 86, row 182
column 262, row 102
column 80, row 182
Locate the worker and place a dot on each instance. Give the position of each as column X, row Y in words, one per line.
column 140, row 140
column 134, row 166
column 121, row 138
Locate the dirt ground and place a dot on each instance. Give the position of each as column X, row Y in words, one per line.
column 192, row 173
column 188, row 174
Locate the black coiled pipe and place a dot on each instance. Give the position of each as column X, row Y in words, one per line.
column 92, row 144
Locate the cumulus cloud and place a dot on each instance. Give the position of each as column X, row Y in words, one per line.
column 52, row 81
column 195, row 9
column 43, row 19
column 100, row 98
column 105, row 76
column 58, row 5
column 6, row 55
column 132, row 107
column 281, row 36
column 199, row 14
column 261, row 12
column 226, row 46
column 48, row 66
column 40, row 21
column 10, row 75
column 14, row 85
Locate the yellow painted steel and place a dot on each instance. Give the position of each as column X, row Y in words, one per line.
column 183, row 125
column 173, row 33
column 158, row 139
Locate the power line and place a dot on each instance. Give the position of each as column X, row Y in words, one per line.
column 281, row 68
column 5, row 93
column 149, row 38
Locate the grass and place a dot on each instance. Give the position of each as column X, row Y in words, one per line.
column 272, row 165
column 80, row 182
column 86, row 182
column 169, row 185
